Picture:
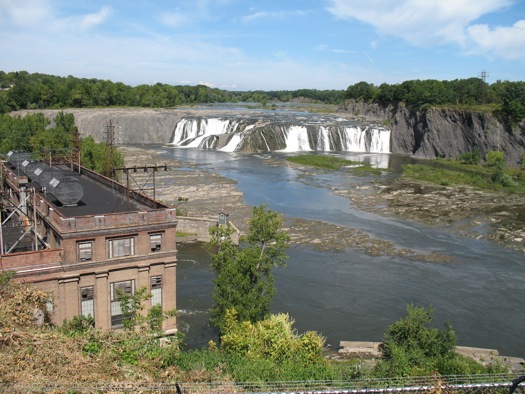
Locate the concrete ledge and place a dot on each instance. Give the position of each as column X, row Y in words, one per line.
column 198, row 227
column 371, row 350
column 360, row 349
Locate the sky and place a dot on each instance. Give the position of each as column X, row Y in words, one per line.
column 265, row 44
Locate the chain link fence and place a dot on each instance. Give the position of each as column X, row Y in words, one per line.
column 475, row 384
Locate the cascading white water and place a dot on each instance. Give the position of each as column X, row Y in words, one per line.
column 232, row 145
column 297, row 139
column 323, row 139
column 379, row 141
column 205, row 132
column 190, row 133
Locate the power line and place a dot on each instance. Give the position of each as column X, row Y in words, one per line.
column 483, row 75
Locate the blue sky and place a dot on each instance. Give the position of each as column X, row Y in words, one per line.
column 265, row 44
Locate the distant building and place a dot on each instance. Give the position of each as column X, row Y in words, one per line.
column 83, row 237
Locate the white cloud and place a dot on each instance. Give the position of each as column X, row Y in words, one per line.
column 273, row 15
column 26, row 13
column 422, row 23
column 501, row 41
column 255, row 15
column 90, row 20
column 174, row 19
column 208, row 84
column 39, row 16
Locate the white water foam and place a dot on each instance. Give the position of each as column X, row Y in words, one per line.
column 296, row 139
column 192, row 133
column 232, row 145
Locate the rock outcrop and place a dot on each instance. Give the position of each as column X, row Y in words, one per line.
column 132, row 125
column 430, row 133
column 441, row 132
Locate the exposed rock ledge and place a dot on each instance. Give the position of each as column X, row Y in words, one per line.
column 442, row 132
column 499, row 217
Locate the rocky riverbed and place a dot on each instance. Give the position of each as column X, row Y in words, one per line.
column 199, row 192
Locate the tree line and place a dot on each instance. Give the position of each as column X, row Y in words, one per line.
column 507, row 99
column 23, row 90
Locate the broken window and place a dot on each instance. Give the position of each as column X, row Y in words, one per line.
column 121, row 247
column 116, row 289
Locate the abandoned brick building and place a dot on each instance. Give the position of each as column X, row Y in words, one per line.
column 82, row 237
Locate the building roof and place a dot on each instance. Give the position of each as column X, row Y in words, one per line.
column 98, row 199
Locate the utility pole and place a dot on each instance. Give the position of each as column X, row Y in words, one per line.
column 75, row 153
column 150, row 170
column 483, row 75
column 110, row 143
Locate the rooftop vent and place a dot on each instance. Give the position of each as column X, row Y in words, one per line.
column 17, row 158
column 45, row 173
column 67, row 190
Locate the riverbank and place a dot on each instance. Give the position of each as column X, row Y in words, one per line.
column 369, row 353
column 201, row 192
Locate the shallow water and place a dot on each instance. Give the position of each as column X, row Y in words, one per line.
column 350, row 295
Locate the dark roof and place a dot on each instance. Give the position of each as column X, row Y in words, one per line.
column 98, row 199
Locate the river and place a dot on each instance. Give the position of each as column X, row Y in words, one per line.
column 351, row 295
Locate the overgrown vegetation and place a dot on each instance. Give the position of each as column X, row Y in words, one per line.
column 268, row 350
column 490, row 176
column 411, row 347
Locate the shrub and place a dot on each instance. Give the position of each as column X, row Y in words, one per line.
column 412, row 348
column 272, row 338
column 495, row 159
column 77, row 325
column 470, row 157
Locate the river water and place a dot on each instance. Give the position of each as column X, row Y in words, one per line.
column 350, row 295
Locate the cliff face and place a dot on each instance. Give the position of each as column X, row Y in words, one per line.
column 132, row 126
column 441, row 132
column 436, row 132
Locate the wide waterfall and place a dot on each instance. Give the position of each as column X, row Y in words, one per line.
column 286, row 133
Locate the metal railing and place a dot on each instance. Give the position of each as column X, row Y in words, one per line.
column 475, row 384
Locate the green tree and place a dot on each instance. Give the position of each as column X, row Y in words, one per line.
column 473, row 157
column 411, row 347
column 243, row 274
column 131, row 306
column 496, row 161
column 361, row 91
column 58, row 140
column 513, row 102
column 96, row 156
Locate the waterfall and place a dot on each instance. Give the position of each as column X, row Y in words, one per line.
column 296, row 139
column 268, row 134
column 194, row 133
column 232, row 145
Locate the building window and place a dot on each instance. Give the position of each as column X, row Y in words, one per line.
column 155, row 241
column 156, row 290
column 85, row 251
column 117, row 288
column 121, row 247
column 87, row 303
